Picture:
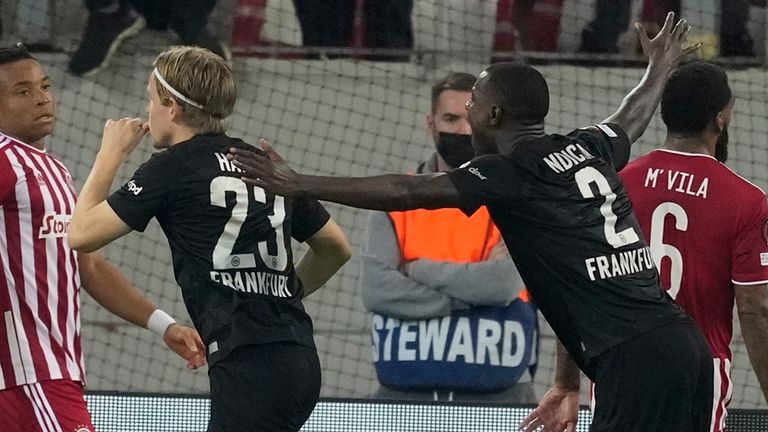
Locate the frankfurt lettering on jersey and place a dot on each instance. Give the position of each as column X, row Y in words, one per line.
column 619, row 264
column 253, row 282
column 677, row 181
column 492, row 343
column 563, row 160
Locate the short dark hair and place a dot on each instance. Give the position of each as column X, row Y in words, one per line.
column 520, row 90
column 13, row 54
column 458, row 81
column 694, row 94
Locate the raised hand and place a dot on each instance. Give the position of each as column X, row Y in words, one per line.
column 186, row 342
column 666, row 48
column 122, row 136
column 558, row 411
column 266, row 169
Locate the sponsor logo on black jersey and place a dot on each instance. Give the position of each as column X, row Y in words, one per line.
column 134, row 188
column 476, row 172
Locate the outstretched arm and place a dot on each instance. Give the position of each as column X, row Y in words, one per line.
column 111, row 289
column 752, row 303
column 664, row 53
column 386, row 192
column 559, row 408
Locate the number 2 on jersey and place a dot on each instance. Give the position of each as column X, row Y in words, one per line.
column 584, row 177
column 223, row 258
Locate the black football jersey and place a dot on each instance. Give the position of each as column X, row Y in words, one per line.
column 230, row 242
column 569, row 226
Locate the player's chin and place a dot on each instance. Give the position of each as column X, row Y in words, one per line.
column 38, row 131
column 46, row 128
column 158, row 145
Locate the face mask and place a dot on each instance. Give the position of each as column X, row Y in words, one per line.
column 721, row 148
column 455, row 149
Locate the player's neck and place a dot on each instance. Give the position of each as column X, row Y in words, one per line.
column 688, row 144
column 509, row 137
column 39, row 144
column 181, row 135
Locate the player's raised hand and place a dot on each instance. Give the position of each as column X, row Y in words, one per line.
column 558, row 411
column 186, row 342
column 266, row 169
column 122, row 136
column 666, row 49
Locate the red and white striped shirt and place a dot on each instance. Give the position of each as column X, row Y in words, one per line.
column 707, row 227
column 39, row 281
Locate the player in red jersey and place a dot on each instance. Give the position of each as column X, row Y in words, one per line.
column 41, row 355
column 706, row 225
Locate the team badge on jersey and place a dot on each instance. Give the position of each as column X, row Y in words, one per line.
column 40, row 179
column 765, row 232
column 68, row 179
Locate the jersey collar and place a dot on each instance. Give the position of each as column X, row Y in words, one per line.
column 4, row 137
column 684, row 153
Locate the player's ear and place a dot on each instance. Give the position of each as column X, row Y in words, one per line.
column 431, row 123
column 721, row 121
column 494, row 116
column 174, row 109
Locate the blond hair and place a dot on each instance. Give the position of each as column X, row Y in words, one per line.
column 203, row 77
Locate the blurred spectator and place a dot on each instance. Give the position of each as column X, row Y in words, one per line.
column 612, row 19
column 534, row 25
column 452, row 320
column 735, row 40
column 331, row 23
column 112, row 21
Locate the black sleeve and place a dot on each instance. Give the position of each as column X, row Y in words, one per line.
column 145, row 194
column 609, row 140
column 485, row 180
column 308, row 217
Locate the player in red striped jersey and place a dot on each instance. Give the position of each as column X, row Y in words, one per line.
column 705, row 224
column 41, row 354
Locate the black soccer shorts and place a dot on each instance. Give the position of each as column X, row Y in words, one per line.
column 660, row 381
column 270, row 387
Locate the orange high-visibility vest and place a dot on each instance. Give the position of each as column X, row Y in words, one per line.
column 446, row 235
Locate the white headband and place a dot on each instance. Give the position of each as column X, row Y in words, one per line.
column 174, row 91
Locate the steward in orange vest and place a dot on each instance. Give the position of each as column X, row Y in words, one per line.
column 450, row 313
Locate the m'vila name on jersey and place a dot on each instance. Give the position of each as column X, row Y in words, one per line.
column 619, row 264
column 677, row 181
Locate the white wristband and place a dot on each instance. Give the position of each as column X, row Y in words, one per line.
column 159, row 322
